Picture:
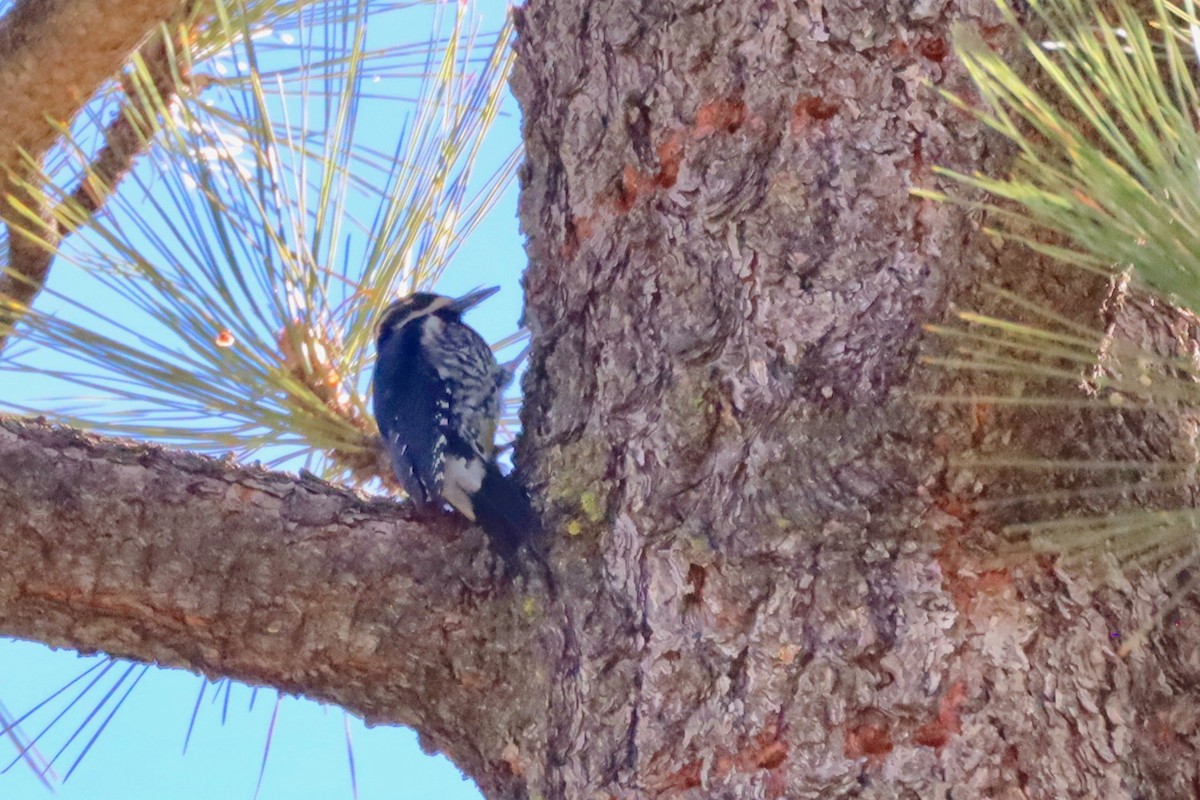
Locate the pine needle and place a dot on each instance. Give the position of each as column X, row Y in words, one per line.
column 264, row 232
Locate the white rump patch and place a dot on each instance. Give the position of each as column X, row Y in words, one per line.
column 462, row 479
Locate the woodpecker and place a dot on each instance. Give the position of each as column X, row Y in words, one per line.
column 437, row 403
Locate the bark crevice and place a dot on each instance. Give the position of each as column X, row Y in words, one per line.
column 172, row 558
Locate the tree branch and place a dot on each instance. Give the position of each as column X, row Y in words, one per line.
column 54, row 54
column 31, row 252
column 181, row 560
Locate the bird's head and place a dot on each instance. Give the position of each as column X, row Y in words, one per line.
column 415, row 307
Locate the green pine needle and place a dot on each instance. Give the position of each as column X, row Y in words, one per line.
column 241, row 266
column 1117, row 175
column 1108, row 165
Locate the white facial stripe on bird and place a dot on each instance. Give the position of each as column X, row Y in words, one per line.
column 463, row 479
column 414, row 315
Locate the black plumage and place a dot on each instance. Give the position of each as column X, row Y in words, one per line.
column 437, row 403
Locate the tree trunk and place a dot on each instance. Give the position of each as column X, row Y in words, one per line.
column 766, row 584
column 767, row 576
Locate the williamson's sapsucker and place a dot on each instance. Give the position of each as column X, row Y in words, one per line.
column 437, row 403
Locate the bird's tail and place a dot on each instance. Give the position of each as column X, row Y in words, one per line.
column 503, row 510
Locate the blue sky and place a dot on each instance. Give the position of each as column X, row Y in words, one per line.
column 139, row 752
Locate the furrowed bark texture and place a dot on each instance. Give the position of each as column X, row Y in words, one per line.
column 764, row 568
column 767, row 587
column 184, row 561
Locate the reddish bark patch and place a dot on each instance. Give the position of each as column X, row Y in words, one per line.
column 634, row 182
column 809, row 108
column 473, row 679
column 511, row 755
column 765, row 752
column 725, row 115
column 995, row 36
column 1163, row 728
column 787, row 653
column 772, row 756
column 982, row 416
column 948, row 722
column 670, row 153
column 777, row 785
column 964, row 579
column 582, row 227
column 872, row 741
column 933, row 48
column 696, row 578
column 686, row 777
column 955, row 506
column 967, row 587
column 720, row 115
column 966, row 590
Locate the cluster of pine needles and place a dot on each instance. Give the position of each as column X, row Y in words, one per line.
column 264, row 230
column 225, row 298
column 302, row 168
column 1104, row 121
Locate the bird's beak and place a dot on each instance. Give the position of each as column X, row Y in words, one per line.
column 471, row 299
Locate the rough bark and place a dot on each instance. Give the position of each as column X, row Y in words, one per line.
column 771, row 580
column 184, row 561
column 767, row 587
column 54, row 55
